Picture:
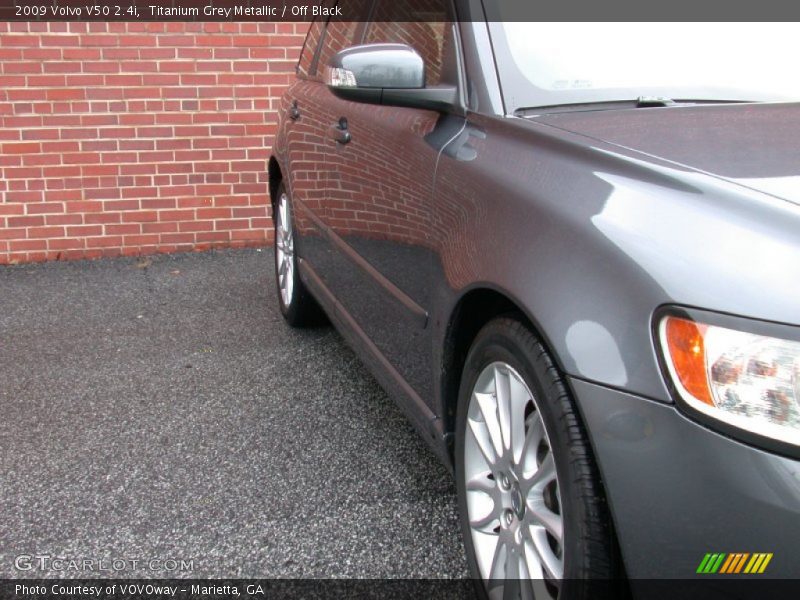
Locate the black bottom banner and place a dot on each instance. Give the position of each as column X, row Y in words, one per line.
column 252, row 589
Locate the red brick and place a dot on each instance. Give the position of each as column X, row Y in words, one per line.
column 19, row 40
column 213, row 236
column 195, row 226
column 168, row 152
column 64, row 195
column 11, row 209
column 137, row 40
column 213, row 40
column 176, row 215
column 175, row 40
column 45, row 232
column 103, row 242
column 99, row 40
column 29, row 148
column 84, row 230
column 81, row 54
column 23, row 196
column 66, row 244
column 142, row 216
column 160, row 227
column 177, row 238
column 249, row 235
column 123, row 229
column 120, row 205
column 101, row 218
column 28, row 221
column 45, row 208
column 72, row 219
column 27, row 245
column 231, row 224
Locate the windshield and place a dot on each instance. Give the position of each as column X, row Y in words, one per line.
column 550, row 64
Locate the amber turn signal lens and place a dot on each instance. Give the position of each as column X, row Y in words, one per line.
column 687, row 352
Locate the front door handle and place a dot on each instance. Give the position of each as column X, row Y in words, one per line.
column 339, row 132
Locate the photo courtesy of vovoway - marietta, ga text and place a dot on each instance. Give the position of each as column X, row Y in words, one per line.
column 149, row 589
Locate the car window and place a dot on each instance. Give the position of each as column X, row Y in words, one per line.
column 429, row 33
column 339, row 35
column 310, row 48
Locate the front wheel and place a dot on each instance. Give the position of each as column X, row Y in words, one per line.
column 297, row 305
column 533, row 515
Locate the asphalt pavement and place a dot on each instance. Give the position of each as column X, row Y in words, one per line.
column 159, row 409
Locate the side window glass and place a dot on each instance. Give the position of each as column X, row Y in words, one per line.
column 339, row 35
column 429, row 33
column 310, row 48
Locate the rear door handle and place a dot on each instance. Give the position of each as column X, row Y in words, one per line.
column 339, row 132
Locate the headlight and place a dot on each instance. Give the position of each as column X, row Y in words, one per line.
column 749, row 381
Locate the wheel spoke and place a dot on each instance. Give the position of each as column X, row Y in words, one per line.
column 289, row 277
column 532, row 440
column 550, row 562
column 283, row 210
column 532, row 564
column 543, row 516
column 526, row 591
column 482, row 483
column 502, row 391
column 511, row 586
column 534, row 572
column 498, row 570
column 483, row 441
column 483, row 523
column 520, row 396
column 488, row 406
column 544, row 474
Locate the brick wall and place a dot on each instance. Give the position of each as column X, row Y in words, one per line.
column 134, row 138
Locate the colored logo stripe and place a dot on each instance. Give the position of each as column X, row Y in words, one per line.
column 711, row 563
column 734, row 563
column 761, row 564
column 737, row 563
column 728, row 562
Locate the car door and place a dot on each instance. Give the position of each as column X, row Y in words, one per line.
column 305, row 120
column 380, row 165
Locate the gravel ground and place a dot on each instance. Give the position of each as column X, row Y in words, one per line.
column 161, row 408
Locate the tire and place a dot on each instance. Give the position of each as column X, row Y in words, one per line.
column 296, row 303
column 543, row 479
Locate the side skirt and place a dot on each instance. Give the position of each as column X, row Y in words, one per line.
column 429, row 425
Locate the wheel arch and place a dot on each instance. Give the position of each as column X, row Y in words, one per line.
column 478, row 305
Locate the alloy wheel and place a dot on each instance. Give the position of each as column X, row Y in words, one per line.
column 284, row 250
column 513, row 498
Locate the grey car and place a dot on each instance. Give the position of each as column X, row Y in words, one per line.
column 576, row 268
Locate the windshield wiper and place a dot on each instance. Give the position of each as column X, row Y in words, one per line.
column 646, row 101
column 640, row 102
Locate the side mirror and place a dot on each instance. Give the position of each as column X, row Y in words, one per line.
column 389, row 74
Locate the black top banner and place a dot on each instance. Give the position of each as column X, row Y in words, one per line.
column 406, row 10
